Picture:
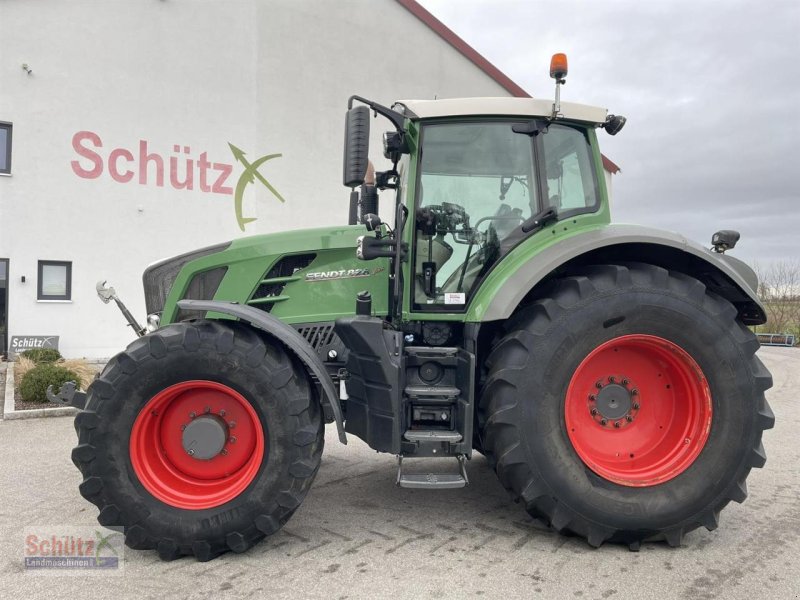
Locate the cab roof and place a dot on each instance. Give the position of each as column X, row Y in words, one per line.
column 503, row 106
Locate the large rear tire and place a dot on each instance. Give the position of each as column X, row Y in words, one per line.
column 198, row 439
column 625, row 404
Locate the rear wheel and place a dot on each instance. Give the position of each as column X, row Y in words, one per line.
column 626, row 404
column 198, row 439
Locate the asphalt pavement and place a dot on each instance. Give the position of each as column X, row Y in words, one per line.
column 359, row 536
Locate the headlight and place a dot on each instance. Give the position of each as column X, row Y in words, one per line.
column 394, row 144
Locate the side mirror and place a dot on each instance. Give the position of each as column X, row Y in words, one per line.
column 356, row 146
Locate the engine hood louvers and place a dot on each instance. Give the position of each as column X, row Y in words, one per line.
column 270, row 288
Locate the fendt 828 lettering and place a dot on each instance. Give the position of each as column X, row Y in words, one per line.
column 606, row 371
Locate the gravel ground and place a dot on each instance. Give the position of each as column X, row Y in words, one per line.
column 359, row 536
column 20, row 404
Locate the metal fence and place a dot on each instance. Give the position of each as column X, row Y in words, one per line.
column 776, row 339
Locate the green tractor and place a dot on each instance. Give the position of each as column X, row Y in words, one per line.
column 606, row 371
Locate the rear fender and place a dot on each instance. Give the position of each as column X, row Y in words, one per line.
column 722, row 274
column 286, row 335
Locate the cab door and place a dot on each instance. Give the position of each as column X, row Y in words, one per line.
column 475, row 185
column 478, row 186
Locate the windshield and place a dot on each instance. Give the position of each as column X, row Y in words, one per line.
column 477, row 185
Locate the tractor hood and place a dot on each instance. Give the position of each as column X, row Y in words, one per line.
column 299, row 240
column 307, row 275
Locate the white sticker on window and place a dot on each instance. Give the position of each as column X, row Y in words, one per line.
column 455, row 298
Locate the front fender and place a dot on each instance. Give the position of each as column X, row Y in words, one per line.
column 288, row 336
column 619, row 242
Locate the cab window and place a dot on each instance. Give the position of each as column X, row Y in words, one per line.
column 570, row 180
column 478, row 183
column 476, row 186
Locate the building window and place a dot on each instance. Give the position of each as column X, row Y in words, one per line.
column 5, row 147
column 55, row 280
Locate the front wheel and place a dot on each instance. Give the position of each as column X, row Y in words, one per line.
column 198, row 439
column 626, row 404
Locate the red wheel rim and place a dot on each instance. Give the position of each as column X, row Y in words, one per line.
column 167, row 470
column 638, row 410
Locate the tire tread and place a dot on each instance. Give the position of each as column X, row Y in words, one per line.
column 140, row 529
column 501, row 433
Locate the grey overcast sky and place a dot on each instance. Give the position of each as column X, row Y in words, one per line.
column 711, row 90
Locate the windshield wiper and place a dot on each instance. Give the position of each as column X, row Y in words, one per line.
column 540, row 219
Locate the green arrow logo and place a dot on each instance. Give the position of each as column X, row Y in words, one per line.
column 249, row 176
column 105, row 542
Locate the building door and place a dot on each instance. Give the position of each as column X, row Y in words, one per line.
column 3, row 306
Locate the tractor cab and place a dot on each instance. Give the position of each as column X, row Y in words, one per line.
column 475, row 178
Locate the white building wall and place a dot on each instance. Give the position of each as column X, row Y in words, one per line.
column 269, row 77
